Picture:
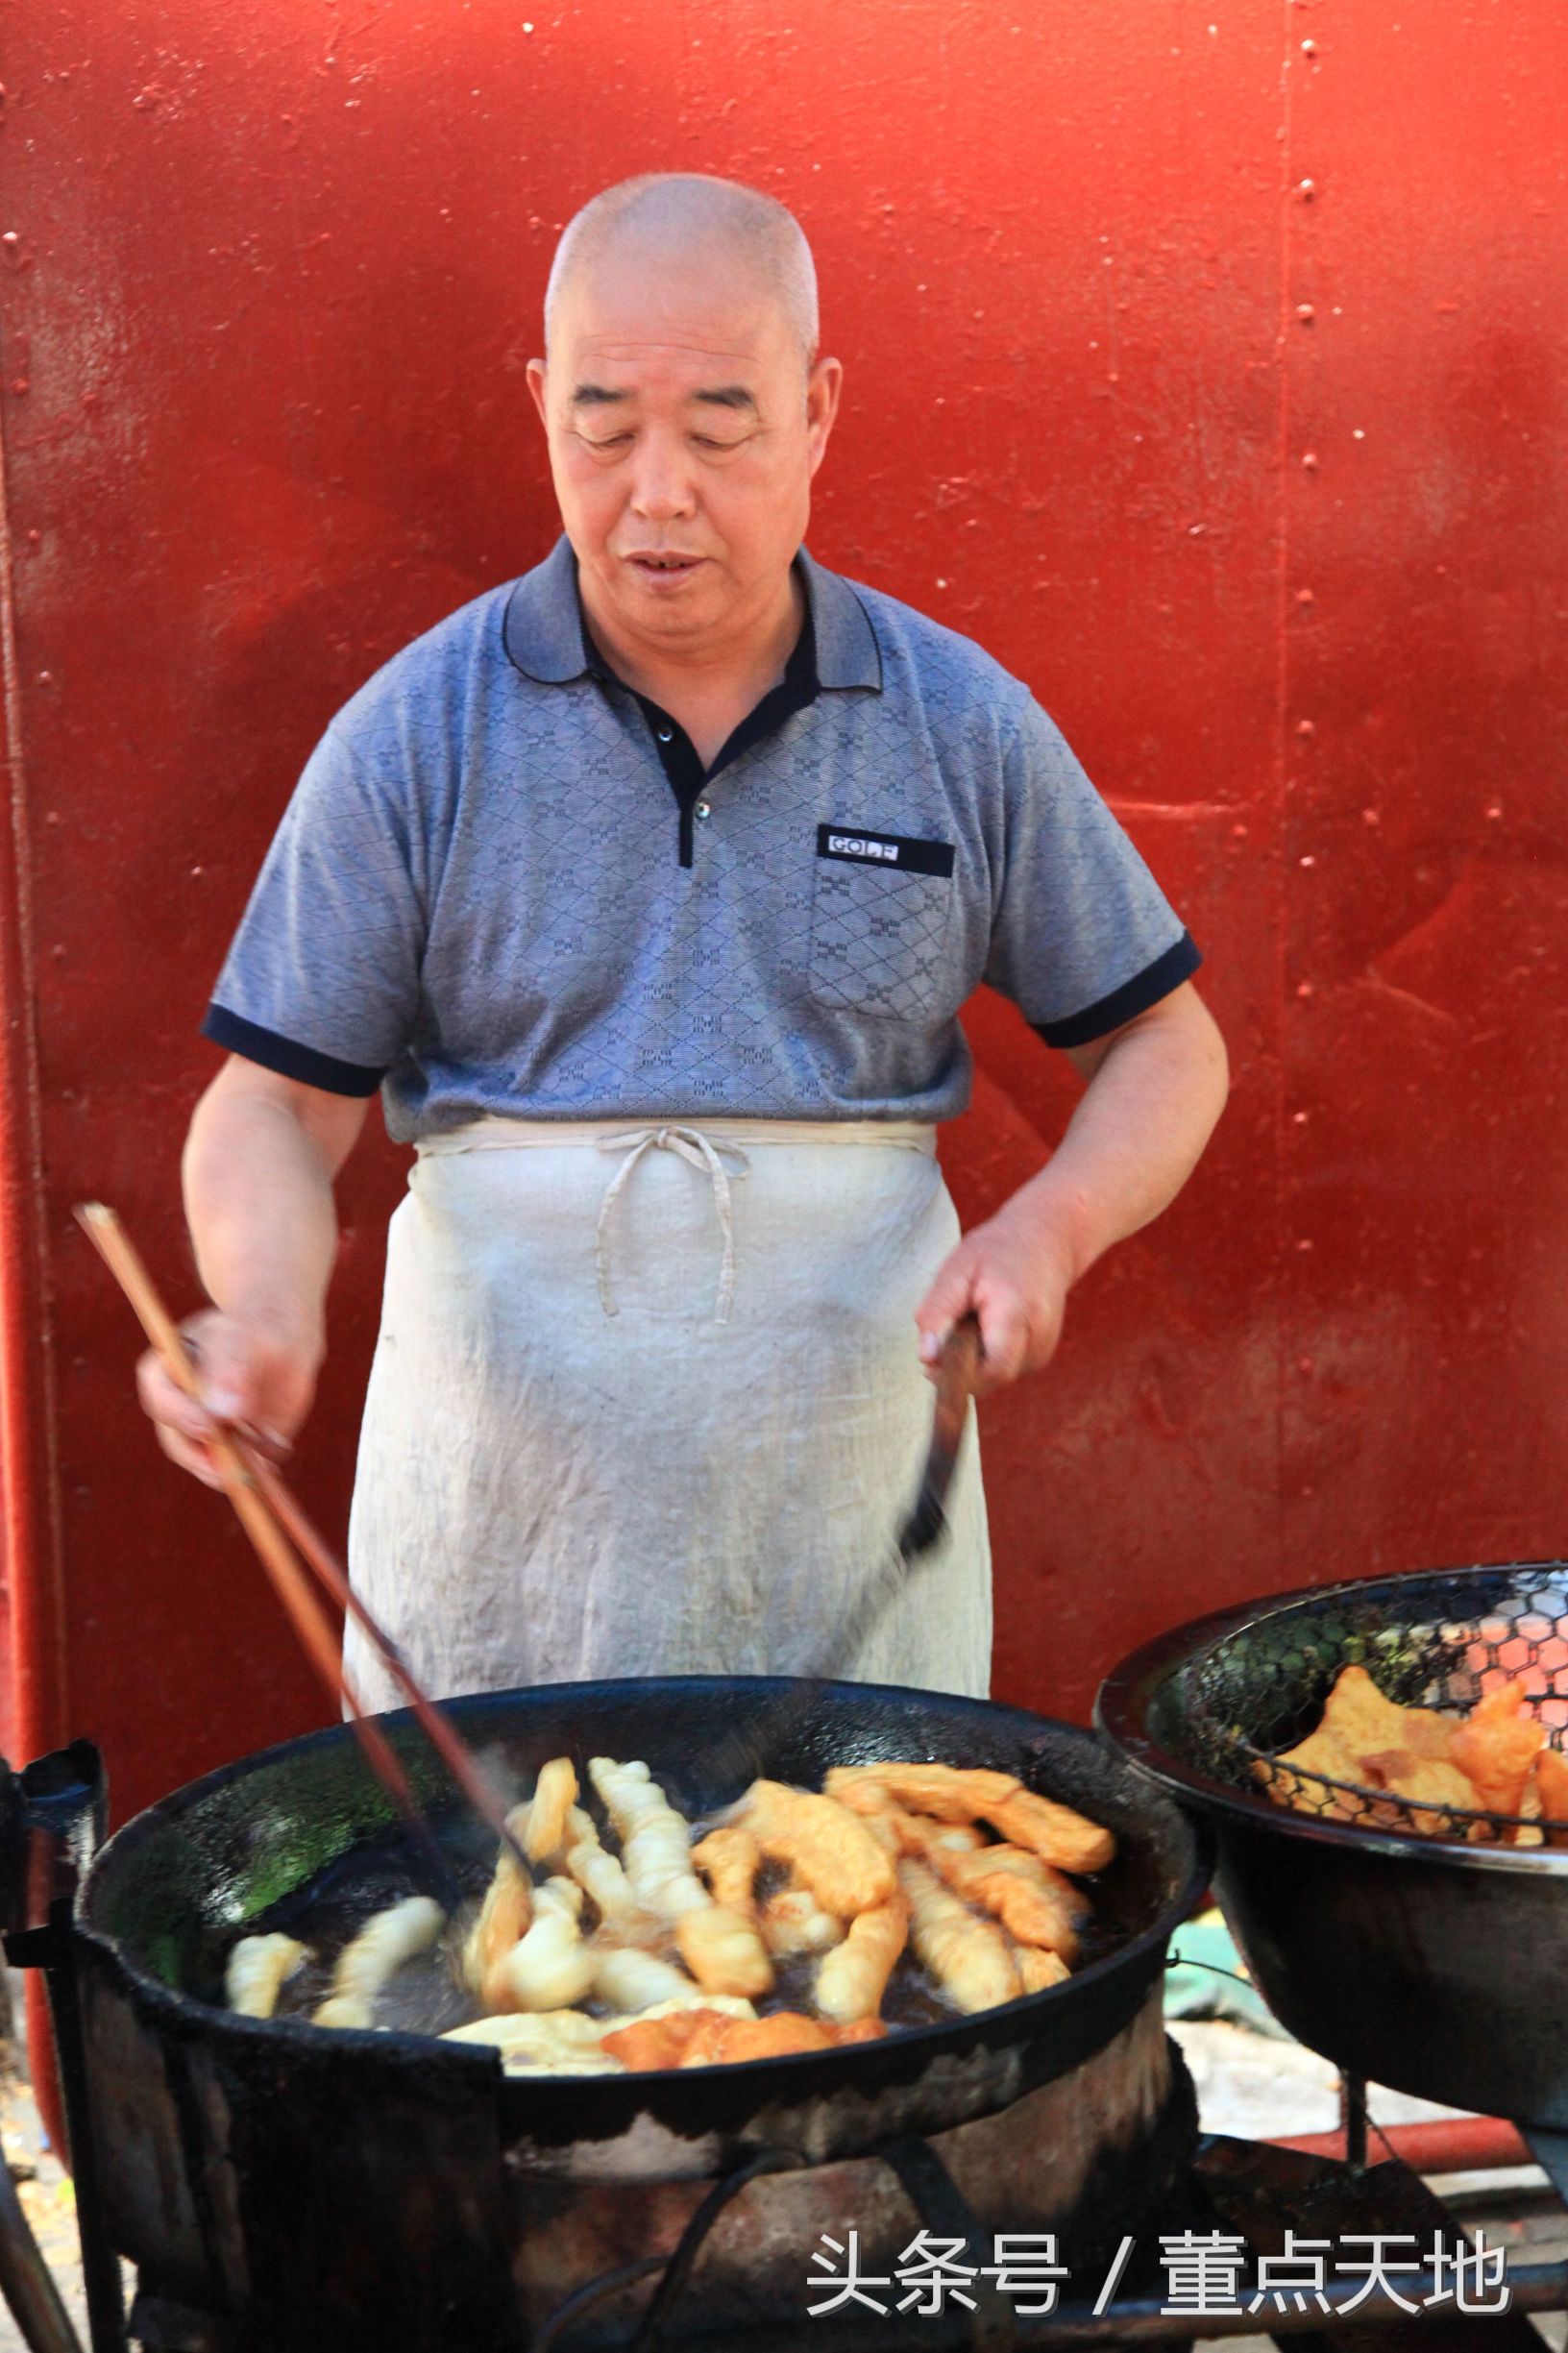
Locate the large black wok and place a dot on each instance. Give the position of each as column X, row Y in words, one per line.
column 230, row 2146
column 1429, row 1964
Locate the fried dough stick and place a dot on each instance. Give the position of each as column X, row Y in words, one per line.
column 955, row 1794
column 729, row 1859
column 603, row 1877
column 724, row 1950
column 1036, row 1904
column 949, row 1793
column 633, row 1980
column 708, row 2037
column 504, row 1916
column 1037, row 1970
column 852, row 1979
column 721, row 1948
column 655, row 1841
column 1067, row 1840
column 792, row 1920
column 550, row 1810
column 828, row 1848
column 256, row 1971
column 551, row 1968
column 566, row 2038
column 377, row 1953
column 968, row 1956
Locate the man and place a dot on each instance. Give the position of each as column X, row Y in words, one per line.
column 649, row 888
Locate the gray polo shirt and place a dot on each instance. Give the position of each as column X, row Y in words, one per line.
column 504, row 884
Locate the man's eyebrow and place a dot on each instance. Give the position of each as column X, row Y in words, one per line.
column 595, row 396
column 727, row 396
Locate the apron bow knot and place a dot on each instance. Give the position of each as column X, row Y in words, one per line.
column 691, row 1145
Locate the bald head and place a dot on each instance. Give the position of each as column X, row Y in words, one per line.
column 690, row 219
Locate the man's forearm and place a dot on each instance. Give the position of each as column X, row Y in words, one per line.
column 1137, row 1134
column 259, row 1201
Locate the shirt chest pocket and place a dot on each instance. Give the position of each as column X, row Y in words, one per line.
column 880, row 928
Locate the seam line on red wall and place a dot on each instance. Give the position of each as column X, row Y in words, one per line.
column 1289, row 17
column 39, row 1709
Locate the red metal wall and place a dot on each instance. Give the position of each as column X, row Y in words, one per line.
column 1205, row 360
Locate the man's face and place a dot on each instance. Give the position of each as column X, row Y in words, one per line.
column 684, row 431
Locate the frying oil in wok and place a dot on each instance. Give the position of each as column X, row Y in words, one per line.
column 427, row 1995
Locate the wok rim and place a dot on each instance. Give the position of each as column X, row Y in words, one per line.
column 961, row 2031
column 1124, row 1699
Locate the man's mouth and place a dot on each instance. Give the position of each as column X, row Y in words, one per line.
column 665, row 563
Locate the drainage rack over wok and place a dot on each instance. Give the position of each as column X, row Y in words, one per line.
column 1430, row 1963
column 1436, row 1640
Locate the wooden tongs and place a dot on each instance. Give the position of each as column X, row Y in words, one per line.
column 284, row 1537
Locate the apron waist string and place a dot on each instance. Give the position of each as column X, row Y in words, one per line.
column 697, row 1150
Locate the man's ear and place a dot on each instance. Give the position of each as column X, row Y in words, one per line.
column 823, row 385
column 536, row 385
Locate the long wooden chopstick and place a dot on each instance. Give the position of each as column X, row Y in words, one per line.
column 266, row 1508
column 447, row 1743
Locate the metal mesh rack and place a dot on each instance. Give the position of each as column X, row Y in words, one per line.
column 1435, row 1640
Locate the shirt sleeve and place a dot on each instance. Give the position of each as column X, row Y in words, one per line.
column 322, row 981
column 1084, row 939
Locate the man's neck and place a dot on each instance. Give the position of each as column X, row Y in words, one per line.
column 735, row 671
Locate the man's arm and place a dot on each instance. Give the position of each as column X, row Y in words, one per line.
column 1156, row 1089
column 259, row 1165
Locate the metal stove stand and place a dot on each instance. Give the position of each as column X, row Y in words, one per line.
column 1249, row 2189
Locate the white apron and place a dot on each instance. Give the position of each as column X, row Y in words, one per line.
column 646, row 1401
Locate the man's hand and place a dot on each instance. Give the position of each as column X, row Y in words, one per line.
column 258, row 1168
column 259, row 1383
column 1013, row 1278
column 1155, row 1088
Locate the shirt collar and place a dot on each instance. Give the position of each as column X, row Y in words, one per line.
column 544, row 635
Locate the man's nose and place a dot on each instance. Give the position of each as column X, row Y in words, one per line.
column 662, row 486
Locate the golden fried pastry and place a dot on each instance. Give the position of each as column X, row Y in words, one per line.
column 861, row 2030
column 602, row 1876
column 633, row 1980
column 377, row 1953
column 551, row 1968
column 852, row 1979
column 256, row 1971
column 655, row 1841
column 830, row 1850
column 1321, row 1753
column 545, row 2037
column 792, row 1920
column 650, row 2043
column 968, row 1957
column 729, row 1859
column 949, row 1792
column 1056, row 1833
column 1365, row 1721
column 504, row 1916
column 555, row 1794
column 1035, row 1903
column 724, row 1950
column 1445, row 1786
column 1497, row 1744
column 724, row 2042
column 1037, row 1970
column 1552, row 1790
